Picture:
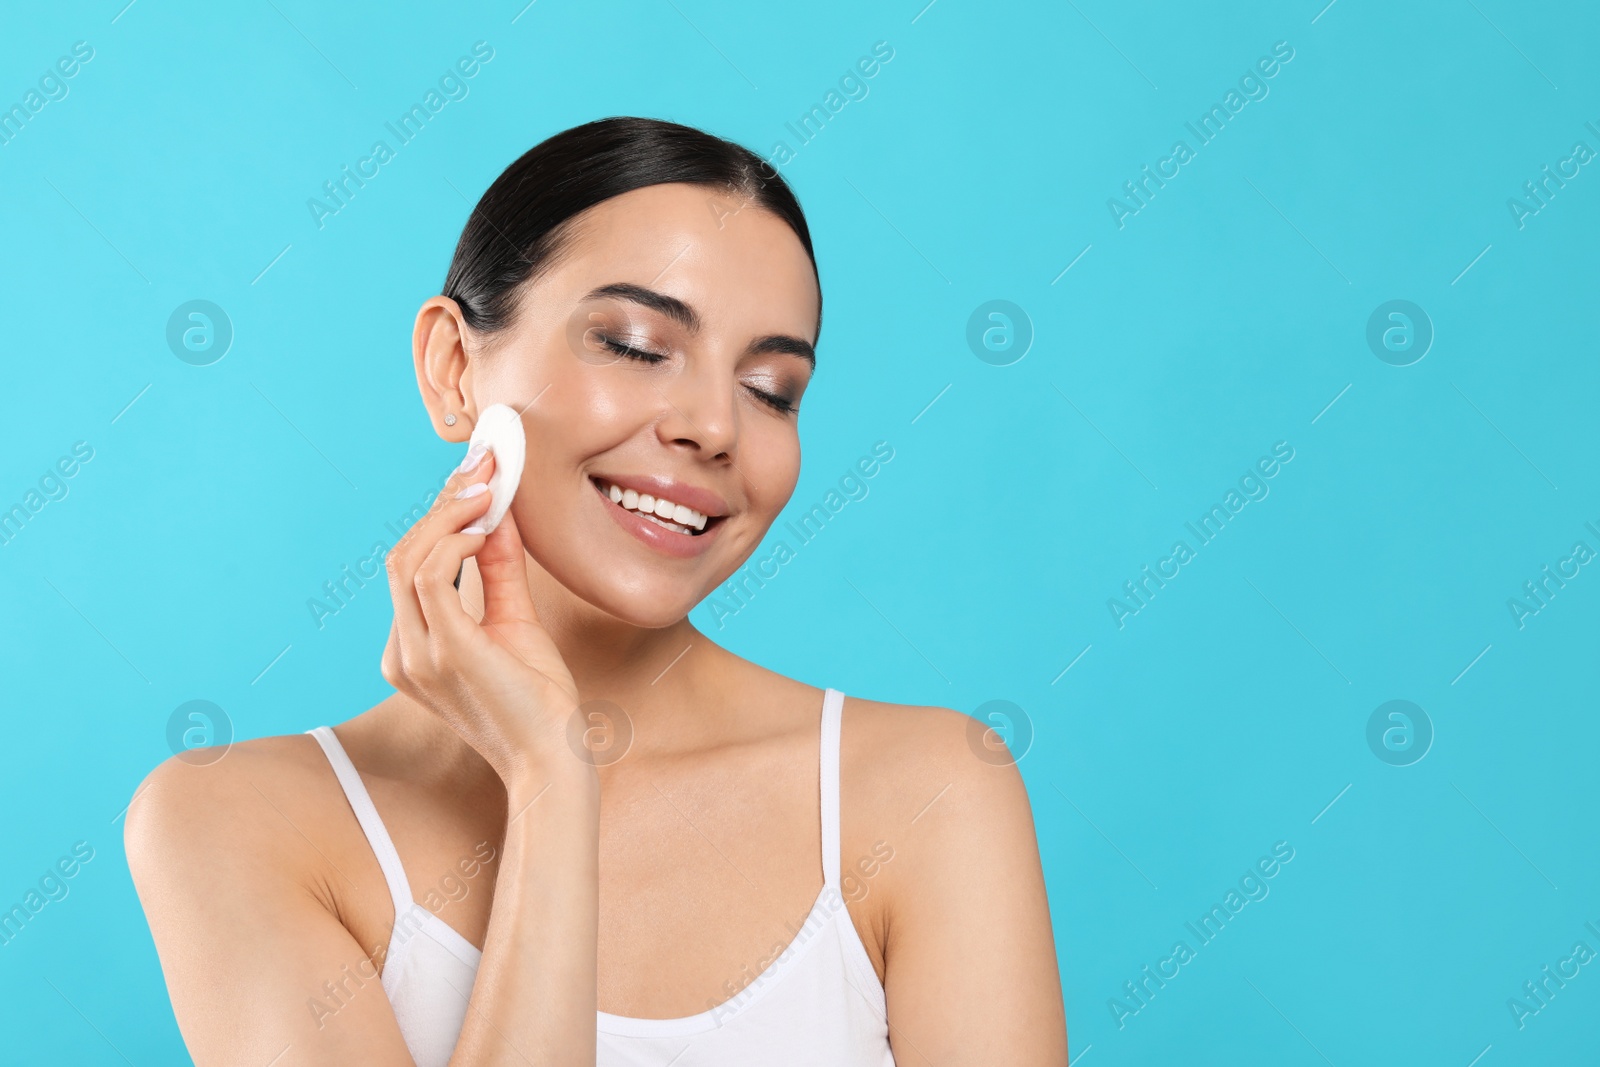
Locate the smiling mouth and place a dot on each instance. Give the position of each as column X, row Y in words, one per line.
column 665, row 513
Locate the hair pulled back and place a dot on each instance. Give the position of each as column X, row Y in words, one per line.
column 523, row 221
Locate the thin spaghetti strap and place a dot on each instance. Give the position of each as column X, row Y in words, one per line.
column 832, row 713
column 367, row 815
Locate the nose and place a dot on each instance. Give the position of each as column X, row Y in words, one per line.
column 699, row 413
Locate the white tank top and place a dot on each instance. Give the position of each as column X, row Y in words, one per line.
column 818, row 1002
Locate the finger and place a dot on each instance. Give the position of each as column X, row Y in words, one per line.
column 503, row 570
column 389, row 663
column 509, row 611
column 444, row 616
column 449, row 513
column 483, row 464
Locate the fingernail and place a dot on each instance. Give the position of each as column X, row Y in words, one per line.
column 473, row 530
column 473, row 490
column 473, row 458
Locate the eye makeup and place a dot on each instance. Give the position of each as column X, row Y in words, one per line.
column 606, row 334
column 641, row 350
column 613, row 327
column 776, row 391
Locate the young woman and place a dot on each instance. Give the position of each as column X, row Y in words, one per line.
column 580, row 832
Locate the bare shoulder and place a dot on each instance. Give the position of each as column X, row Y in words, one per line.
column 245, row 870
column 908, row 747
column 246, row 801
column 935, row 778
column 954, row 896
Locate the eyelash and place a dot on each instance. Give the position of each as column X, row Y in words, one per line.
column 777, row 403
column 632, row 353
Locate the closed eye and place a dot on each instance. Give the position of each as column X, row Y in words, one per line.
column 623, row 349
column 780, row 404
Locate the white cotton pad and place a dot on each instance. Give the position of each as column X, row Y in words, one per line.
column 500, row 428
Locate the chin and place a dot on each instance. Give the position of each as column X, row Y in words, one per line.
column 624, row 582
column 634, row 571
column 649, row 602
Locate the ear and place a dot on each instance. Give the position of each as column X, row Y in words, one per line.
column 444, row 373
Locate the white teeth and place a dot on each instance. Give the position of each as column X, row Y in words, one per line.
column 674, row 527
column 673, row 516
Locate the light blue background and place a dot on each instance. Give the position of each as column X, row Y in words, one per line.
column 1224, row 317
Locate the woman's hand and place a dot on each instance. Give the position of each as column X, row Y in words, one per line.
column 501, row 684
column 258, row 906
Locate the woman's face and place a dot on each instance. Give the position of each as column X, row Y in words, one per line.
column 662, row 354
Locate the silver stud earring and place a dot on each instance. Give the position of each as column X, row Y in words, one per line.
column 449, row 420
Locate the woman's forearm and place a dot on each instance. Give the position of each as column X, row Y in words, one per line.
column 533, row 1001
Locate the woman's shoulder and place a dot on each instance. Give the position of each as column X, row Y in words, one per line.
column 931, row 767
column 917, row 739
column 934, row 817
column 901, row 765
column 222, row 771
column 249, row 797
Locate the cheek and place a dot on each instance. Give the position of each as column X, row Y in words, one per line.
column 584, row 411
column 598, row 401
column 770, row 460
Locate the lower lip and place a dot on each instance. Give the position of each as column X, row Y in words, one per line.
column 663, row 540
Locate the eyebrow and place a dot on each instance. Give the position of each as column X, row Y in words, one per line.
column 689, row 319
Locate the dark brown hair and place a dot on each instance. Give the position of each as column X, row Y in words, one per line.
column 520, row 225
